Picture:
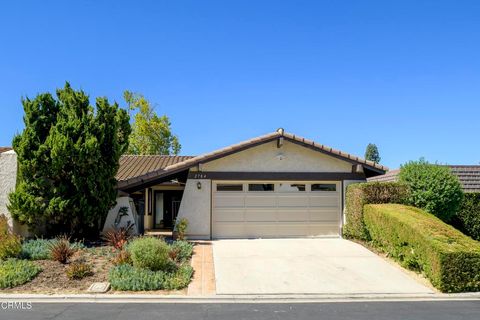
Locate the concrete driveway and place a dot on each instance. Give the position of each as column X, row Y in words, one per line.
column 306, row 266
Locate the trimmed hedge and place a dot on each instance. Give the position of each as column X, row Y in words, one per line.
column 360, row 194
column 468, row 216
column 421, row 241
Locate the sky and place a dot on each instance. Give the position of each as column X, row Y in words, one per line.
column 404, row 75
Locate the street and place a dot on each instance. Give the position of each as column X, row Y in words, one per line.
column 435, row 310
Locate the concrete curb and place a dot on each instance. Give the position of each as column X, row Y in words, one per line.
column 311, row 298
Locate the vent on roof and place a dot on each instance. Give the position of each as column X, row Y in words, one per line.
column 280, row 130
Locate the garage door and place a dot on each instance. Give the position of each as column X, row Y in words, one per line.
column 264, row 209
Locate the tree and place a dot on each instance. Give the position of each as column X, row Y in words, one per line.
column 68, row 156
column 432, row 187
column 151, row 134
column 372, row 154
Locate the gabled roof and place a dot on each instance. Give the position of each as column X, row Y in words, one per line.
column 134, row 165
column 468, row 175
column 4, row 149
column 193, row 161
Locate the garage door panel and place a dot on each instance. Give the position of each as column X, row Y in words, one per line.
column 260, row 215
column 323, row 201
column 324, row 229
column 293, row 229
column 228, row 201
column 229, row 230
column 324, row 215
column 261, row 230
column 260, row 201
column 292, row 201
column 229, row 215
column 299, row 214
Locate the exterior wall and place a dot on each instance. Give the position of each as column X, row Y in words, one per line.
column 8, row 178
column 128, row 219
column 196, row 208
column 268, row 158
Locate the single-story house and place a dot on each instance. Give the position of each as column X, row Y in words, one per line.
column 468, row 175
column 273, row 186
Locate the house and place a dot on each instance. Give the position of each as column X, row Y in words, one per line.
column 273, row 186
column 468, row 175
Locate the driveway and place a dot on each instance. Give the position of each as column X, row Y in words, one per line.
column 306, row 266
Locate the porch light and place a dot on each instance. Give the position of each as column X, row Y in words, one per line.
column 199, row 185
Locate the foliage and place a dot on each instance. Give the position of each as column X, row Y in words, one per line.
column 421, row 241
column 181, row 251
column 122, row 257
column 61, row 250
column 372, row 154
column 78, row 270
column 125, row 277
column 39, row 249
column 151, row 134
column 68, row 156
column 14, row 272
column 10, row 244
column 117, row 238
column 181, row 228
column 432, row 187
column 468, row 215
column 360, row 194
column 150, row 253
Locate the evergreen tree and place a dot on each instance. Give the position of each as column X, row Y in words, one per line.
column 372, row 154
column 68, row 156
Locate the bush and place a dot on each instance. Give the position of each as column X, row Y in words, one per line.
column 180, row 279
column 61, row 250
column 125, row 277
column 37, row 249
column 150, row 253
column 421, row 241
column 181, row 251
column 122, row 257
column 15, row 272
column 78, row 270
column 181, row 227
column 468, row 215
column 360, row 194
column 432, row 187
column 117, row 238
column 10, row 244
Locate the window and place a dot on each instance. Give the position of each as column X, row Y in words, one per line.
column 291, row 187
column 230, row 187
column 324, row 187
column 260, row 187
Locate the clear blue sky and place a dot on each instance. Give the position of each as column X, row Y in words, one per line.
column 402, row 74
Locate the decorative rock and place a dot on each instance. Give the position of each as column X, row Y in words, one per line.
column 99, row 287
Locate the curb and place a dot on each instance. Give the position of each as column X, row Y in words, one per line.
column 311, row 298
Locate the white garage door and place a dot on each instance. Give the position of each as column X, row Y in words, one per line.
column 263, row 209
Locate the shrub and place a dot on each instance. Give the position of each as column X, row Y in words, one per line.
column 10, row 244
column 432, row 187
column 359, row 194
column 15, row 272
column 122, row 257
column 181, row 227
column 150, row 253
column 125, row 277
column 179, row 279
column 78, row 270
column 117, row 238
column 181, row 251
column 421, row 241
column 61, row 250
column 468, row 215
column 36, row 249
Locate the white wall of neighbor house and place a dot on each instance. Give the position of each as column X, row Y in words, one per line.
column 196, row 207
column 288, row 158
column 8, row 178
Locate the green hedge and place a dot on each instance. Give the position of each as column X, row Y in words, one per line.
column 360, row 194
column 421, row 241
column 468, row 216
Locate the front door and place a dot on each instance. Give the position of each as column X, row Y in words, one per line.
column 167, row 203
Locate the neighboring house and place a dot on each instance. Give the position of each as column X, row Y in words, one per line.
column 469, row 176
column 273, row 186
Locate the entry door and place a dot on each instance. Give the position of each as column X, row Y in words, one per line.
column 272, row 209
column 159, row 210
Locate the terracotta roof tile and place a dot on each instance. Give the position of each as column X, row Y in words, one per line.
column 4, row 149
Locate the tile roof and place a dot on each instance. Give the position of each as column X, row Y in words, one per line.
column 468, row 175
column 3, row 149
column 135, row 165
column 177, row 166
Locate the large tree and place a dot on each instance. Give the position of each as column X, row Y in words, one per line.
column 372, row 154
column 151, row 134
column 68, row 156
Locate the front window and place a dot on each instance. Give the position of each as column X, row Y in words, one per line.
column 230, row 187
column 260, row 187
column 324, row 187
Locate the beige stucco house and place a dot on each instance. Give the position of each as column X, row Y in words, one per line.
column 273, row 186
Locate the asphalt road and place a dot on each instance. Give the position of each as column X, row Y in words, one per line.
column 438, row 310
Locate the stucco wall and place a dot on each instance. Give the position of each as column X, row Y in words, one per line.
column 268, row 158
column 8, row 178
column 195, row 206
